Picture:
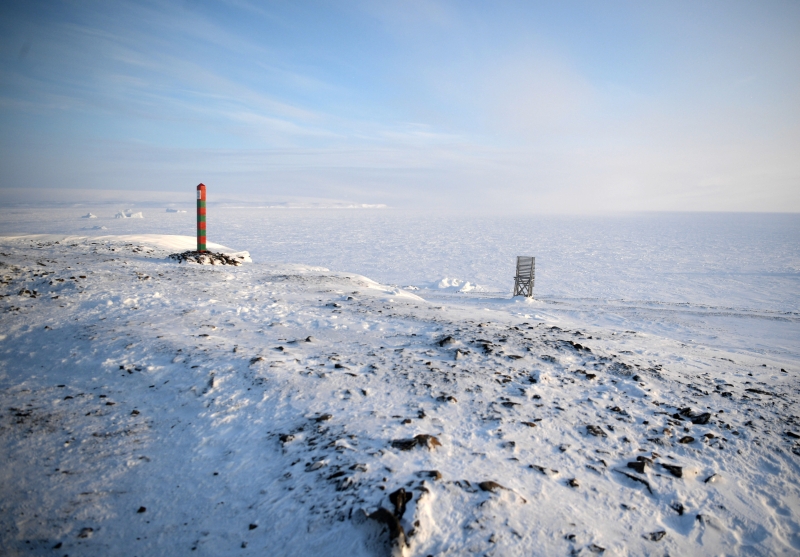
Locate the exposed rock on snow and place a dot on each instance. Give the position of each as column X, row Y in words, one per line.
column 211, row 258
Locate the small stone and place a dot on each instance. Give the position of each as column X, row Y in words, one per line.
column 701, row 419
column 676, row 471
column 543, row 470
column 655, row 536
column 595, row 548
column 399, row 499
column 529, row 424
column 793, row 435
column 86, row 532
column 490, row 486
column 397, row 535
column 711, row 479
column 686, row 439
column 432, row 474
column 572, row 482
column 286, row 437
column 134, row 412
column 323, row 418
column 423, row 439
column 638, row 466
column 252, row 527
column 678, row 508
column 595, row 430
column 141, row 509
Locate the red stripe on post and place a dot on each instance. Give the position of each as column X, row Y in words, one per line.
column 201, row 212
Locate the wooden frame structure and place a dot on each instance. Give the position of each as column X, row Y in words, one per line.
column 526, row 272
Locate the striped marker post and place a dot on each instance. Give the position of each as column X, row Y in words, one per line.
column 201, row 217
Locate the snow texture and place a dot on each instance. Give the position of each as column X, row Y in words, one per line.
column 149, row 407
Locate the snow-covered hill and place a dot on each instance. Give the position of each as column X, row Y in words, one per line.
column 149, row 407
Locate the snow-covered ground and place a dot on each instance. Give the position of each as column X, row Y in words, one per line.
column 149, row 407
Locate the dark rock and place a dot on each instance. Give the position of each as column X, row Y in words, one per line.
column 447, row 341
column 676, row 471
column 701, row 419
column 655, row 536
column 422, row 439
column 490, row 486
column 399, row 499
column 529, row 424
column 509, row 404
column 397, row 534
column 86, row 532
column 206, row 258
column 678, row 508
column 572, row 482
column 543, row 470
column 286, row 437
column 404, row 444
column 686, row 439
column 595, row 430
column 432, row 474
column 636, row 479
column 58, row 545
column 252, row 527
column 638, row 466
column 593, row 548
column 793, row 435
column 141, row 509
column 760, row 392
column 323, row 418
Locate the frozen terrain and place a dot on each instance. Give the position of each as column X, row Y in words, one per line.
column 149, row 407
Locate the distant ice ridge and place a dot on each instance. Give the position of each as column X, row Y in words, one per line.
column 175, row 210
column 128, row 214
column 89, row 216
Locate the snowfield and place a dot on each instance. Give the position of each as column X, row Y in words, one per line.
column 150, row 408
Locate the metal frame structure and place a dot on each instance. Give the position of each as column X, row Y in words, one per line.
column 526, row 272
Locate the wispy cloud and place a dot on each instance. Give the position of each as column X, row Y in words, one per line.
column 558, row 108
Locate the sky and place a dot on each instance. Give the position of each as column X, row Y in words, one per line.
column 536, row 107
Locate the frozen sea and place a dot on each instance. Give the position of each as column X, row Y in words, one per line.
column 730, row 281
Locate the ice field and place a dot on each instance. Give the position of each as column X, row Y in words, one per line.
column 372, row 363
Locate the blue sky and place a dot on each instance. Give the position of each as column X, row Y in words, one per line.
column 517, row 106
